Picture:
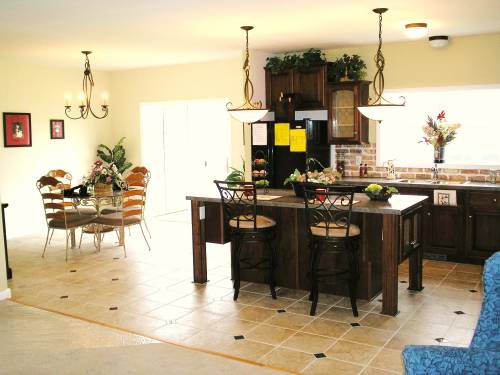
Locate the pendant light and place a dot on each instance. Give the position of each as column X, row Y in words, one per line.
column 85, row 96
column 381, row 108
column 249, row 111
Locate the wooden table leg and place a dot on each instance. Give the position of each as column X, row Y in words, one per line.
column 199, row 242
column 390, row 247
column 73, row 238
column 416, row 257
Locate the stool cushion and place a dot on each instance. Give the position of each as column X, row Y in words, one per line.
column 334, row 230
column 115, row 220
column 72, row 221
column 246, row 222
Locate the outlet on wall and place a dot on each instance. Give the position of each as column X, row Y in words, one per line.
column 358, row 160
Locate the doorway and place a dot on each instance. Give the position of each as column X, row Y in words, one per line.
column 186, row 145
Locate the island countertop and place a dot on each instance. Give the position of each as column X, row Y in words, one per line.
column 398, row 204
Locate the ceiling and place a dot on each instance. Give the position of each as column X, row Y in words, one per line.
column 137, row 33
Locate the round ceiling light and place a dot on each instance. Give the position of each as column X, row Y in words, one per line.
column 416, row 30
column 438, row 41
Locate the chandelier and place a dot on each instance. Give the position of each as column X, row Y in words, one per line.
column 380, row 108
column 86, row 95
column 249, row 111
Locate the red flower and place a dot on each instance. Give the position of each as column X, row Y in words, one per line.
column 98, row 162
column 441, row 116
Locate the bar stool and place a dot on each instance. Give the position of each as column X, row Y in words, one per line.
column 239, row 201
column 328, row 219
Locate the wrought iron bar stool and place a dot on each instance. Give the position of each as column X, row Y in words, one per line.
column 245, row 226
column 328, row 219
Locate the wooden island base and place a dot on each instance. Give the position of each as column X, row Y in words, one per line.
column 390, row 233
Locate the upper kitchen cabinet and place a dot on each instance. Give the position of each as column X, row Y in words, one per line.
column 346, row 125
column 311, row 84
column 296, row 89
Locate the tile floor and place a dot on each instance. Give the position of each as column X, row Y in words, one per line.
column 151, row 293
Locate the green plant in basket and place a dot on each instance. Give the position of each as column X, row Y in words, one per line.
column 236, row 175
column 380, row 193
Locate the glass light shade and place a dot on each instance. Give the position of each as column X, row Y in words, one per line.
column 416, row 30
column 248, row 115
column 380, row 112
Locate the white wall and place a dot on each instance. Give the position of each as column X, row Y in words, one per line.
column 40, row 91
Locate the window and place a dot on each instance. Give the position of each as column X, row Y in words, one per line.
column 474, row 108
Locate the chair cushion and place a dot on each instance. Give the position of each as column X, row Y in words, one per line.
column 334, row 230
column 247, row 222
column 72, row 221
column 116, row 220
column 107, row 211
column 82, row 211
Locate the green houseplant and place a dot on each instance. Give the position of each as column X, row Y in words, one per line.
column 346, row 68
column 303, row 60
column 115, row 156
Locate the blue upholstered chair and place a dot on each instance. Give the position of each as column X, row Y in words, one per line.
column 483, row 355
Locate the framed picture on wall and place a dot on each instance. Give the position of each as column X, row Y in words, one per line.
column 16, row 129
column 56, row 129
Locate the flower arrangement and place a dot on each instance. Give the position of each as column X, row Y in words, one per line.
column 103, row 173
column 439, row 133
column 380, row 193
column 326, row 177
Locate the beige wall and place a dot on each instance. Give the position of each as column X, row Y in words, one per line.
column 40, row 91
column 471, row 60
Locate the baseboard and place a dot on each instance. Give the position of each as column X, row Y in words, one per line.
column 4, row 294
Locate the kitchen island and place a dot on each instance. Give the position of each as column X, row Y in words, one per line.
column 390, row 233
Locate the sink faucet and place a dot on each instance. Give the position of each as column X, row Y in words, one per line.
column 435, row 173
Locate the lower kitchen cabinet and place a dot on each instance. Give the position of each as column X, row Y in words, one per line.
column 482, row 228
column 443, row 230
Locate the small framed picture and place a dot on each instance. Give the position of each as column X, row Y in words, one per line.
column 56, row 129
column 16, row 129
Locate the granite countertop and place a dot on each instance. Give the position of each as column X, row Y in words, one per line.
column 398, row 204
column 455, row 185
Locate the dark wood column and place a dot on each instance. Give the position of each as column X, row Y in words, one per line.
column 417, row 251
column 199, row 242
column 390, row 247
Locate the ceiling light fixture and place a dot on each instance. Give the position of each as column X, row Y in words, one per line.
column 438, row 41
column 416, row 30
column 249, row 111
column 381, row 108
column 86, row 95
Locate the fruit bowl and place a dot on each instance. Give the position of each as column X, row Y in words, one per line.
column 380, row 193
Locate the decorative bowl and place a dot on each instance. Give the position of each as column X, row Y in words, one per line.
column 379, row 193
column 379, row 196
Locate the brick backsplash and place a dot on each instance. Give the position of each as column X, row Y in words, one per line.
column 348, row 153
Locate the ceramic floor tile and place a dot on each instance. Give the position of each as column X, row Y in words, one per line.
column 422, row 327
column 255, row 314
column 279, row 303
column 399, row 340
column 388, row 360
column 257, row 288
column 248, row 349
column 291, row 321
column 292, row 293
column 245, row 298
column 174, row 333
column 308, row 343
column 369, row 336
column 168, row 313
column 388, row 323
column 269, row 334
column 234, row 326
column 304, row 308
column 459, row 335
column 223, row 307
column 376, row 371
column 327, row 366
column 287, row 359
column 343, row 315
column 352, row 352
column 327, row 327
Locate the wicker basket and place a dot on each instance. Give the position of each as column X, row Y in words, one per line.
column 103, row 189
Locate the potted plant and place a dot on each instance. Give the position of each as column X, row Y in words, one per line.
column 346, row 68
column 438, row 134
column 377, row 192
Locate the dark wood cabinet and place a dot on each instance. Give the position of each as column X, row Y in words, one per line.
column 311, row 85
column 443, row 228
column 346, row 125
column 279, row 88
column 482, row 228
column 296, row 89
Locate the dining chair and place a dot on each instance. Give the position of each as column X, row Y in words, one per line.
column 129, row 213
column 330, row 232
column 245, row 226
column 57, row 213
column 133, row 180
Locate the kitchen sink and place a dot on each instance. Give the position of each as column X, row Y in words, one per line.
column 430, row 182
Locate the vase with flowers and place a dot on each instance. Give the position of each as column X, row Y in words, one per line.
column 102, row 177
column 439, row 133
